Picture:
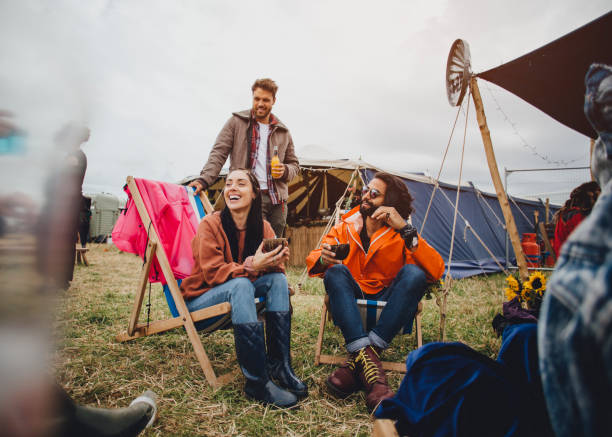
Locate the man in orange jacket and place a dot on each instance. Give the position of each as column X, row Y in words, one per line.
column 387, row 261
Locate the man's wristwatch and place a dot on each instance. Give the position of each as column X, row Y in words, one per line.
column 410, row 236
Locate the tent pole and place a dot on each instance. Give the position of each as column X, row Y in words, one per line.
column 506, row 241
column 501, row 194
column 591, row 158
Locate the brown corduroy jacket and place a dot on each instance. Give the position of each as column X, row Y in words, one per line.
column 232, row 141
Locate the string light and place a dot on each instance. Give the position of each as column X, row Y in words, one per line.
column 525, row 144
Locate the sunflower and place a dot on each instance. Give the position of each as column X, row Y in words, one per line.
column 513, row 288
column 526, row 292
column 513, row 284
column 510, row 293
column 536, row 282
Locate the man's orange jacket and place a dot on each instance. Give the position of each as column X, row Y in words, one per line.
column 386, row 255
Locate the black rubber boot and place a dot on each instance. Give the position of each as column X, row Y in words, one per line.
column 278, row 336
column 76, row 420
column 251, row 353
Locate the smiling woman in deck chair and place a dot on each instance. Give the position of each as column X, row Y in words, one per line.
column 230, row 266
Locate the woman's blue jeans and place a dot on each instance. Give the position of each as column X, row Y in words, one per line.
column 402, row 297
column 241, row 294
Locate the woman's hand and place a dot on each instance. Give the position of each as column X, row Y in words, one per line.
column 274, row 258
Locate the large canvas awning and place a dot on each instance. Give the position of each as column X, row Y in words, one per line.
column 552, row 77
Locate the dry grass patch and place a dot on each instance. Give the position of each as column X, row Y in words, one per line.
column 96, row 370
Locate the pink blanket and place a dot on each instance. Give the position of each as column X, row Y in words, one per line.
column 174, row 219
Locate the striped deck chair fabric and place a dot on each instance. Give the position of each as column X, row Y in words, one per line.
column 370, row 311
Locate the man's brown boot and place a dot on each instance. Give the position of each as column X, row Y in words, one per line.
column 371, row 374
column 343, row 381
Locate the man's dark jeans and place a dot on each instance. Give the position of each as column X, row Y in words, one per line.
column 402, row 297
column 275, row 214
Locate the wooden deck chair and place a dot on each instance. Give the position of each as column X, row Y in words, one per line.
column 370, row 312
column 209, row 319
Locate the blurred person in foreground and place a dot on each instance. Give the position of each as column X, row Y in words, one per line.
column 230, row 266
column 387, row 261
column 31, row 402
column 257, row 140
column 575, row 329
column 573, row 211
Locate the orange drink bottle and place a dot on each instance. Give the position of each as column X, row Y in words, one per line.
column 275, row 160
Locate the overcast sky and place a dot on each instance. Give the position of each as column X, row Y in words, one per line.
column 156, row 80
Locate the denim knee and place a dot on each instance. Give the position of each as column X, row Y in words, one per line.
column 278, row 292
column 414, row 274
column 243, row 292
column 278, row 280
column 334, row 273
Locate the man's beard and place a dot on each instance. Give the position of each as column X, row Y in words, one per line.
column 257, row 116
column 367, row 211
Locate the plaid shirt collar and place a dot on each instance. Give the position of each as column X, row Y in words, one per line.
column 254, row 150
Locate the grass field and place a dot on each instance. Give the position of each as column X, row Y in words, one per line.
column 96, row 370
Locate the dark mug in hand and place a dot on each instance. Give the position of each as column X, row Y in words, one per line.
column 269, row 244
column 341, row 250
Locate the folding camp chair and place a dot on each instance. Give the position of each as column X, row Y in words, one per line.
column 370, row 311
column 211, row 318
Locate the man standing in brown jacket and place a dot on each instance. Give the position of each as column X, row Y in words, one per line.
column 253, row 138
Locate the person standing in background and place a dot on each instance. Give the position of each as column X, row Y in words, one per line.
column 84, row 220
column 257, row 140
column 575, row 209
column 57, row 248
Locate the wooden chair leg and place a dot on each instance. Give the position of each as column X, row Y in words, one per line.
column 320, row 336
column 186, row 317
column 142, row 282
column 201, row 355
column 384, row 428
column 417, row 325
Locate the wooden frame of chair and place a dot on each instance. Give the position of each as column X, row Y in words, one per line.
column 384, row 428
column 339, row 359
column 185, row 318
column 81, row 253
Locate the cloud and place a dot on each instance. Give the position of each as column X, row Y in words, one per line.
column 157, row 80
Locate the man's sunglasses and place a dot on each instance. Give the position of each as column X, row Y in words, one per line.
column 374, row 193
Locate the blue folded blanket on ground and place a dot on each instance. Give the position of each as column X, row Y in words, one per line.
column 451, row 390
